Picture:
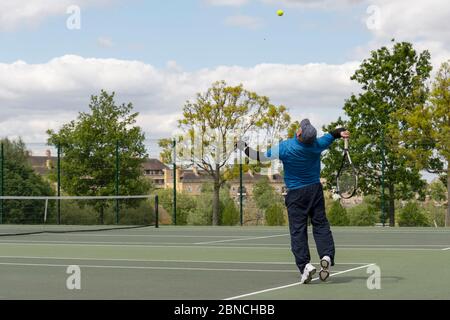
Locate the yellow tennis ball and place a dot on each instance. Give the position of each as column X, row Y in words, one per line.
column 280, row 13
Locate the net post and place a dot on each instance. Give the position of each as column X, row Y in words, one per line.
column 156, row 211
column 46, row 211
column 174, row 182
column 241, row 191
column 117, row 181
column 58, row 202
column 383, row 208
column 2, row 180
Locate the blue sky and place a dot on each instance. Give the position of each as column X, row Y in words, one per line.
column 194, row 34
column 158, row 54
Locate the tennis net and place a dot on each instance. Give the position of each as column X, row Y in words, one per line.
column 65, row 214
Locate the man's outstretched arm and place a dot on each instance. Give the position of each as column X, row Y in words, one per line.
column 259, row 156
column 325, row 141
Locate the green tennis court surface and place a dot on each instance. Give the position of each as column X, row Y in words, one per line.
column 221, row 263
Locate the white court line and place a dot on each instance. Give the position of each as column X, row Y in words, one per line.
column 293, row 284
column 108, row 244
column 262, row 229
column 176, row 261
column 279, row 245
column 242, row 239
column 143, row 268
column 132, row 235
column 146, row 245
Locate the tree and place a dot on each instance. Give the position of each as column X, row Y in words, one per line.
column 21, row 180
column 366, row 213
column 214, row 121
column 166, row 147
column 269, row 202
column 437, row 190
column 337, row 215
column 186, row 206
column 412, row 216
column 264, row 194
column 391, row 80
column 230, row 213
column 426, row 142
column 275, row 214
column 89, row 145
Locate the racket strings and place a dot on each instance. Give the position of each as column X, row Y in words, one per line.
column 347, row 180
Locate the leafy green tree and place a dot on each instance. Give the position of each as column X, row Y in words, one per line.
column 264, row 194
column 293, row 128
column 269, row 202
column 366, row 213
column 435, row 214
column 21, row 180
column 229, row 211
column 214, row 121
column 426, row 140
column 203, row 211
column 391, row 80
column 89, row 145
column 186, row 205
column 166, row 150
column 362, row 215
column 275, row 214
column 337, row 214
column 412, row 216
column 437, row 190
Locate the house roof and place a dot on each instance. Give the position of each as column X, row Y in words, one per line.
column 40, row 161
column 39, row 164
column 191, row 177
column 154, row 164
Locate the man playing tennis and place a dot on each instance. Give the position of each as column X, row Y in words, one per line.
column 301, row 162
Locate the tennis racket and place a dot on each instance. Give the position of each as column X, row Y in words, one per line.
column 347, row 179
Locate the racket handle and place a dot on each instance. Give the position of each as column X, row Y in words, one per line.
column 346, row 144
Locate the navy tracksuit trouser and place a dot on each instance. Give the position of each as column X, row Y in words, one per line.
column 301, row 204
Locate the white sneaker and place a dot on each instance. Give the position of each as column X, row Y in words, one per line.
column 325, row 264
column 308, row 273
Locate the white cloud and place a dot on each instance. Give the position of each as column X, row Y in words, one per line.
column 424, row 23
column 242, row 21
column 413, row 19
column 35, row 97
column 17, row 13
column 172, row 65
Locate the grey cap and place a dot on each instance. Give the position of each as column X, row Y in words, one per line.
column 309, row 133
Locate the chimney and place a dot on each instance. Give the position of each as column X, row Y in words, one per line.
column 195, row 170
column 48, row 153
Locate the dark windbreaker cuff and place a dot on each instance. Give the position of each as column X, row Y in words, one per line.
column 337, row 133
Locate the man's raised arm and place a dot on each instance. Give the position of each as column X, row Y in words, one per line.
column 259, row 156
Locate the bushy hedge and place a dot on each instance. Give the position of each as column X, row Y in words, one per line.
column 186, row 205
column 229, row 210
column 412, row 215
column 436, row 214
column 337, row 215
column 275, row 214
column 198, row 209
